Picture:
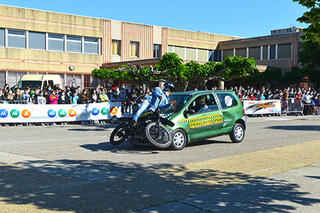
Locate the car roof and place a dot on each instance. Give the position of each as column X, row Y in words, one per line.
column 192, row 93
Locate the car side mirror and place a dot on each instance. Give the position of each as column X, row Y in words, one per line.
column 190, row 111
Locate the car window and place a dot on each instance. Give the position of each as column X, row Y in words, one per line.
column 227, row 100
column 50, row 83
column 204, row 103
column 45, row 84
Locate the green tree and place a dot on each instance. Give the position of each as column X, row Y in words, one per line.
column 310, row 49
column 309, row 55
column 171, row 68
column 261, row 78
column 311, row 17
column 238, row 67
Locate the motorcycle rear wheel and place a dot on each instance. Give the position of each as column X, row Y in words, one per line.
column 119, row 134
column 162, row 139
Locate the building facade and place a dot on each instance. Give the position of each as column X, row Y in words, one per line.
column 278, row 50
column 40, row 42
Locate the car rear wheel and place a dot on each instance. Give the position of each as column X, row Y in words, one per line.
column 237, row 134
column 179, row 139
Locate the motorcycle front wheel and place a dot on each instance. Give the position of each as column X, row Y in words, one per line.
column 159, row 136
column 119, row 134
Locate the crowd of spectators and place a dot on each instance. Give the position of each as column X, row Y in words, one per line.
column 309, row 97
column 73, row 94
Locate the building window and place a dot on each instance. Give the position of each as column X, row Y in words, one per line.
column 272, row 52
column 37, row 41
column 217, row 56
column 241, row 52
column 254, row 52
column 116, row 47
column 134, row 49
column 14, row 77
column 284, row 51
column 2, row 79
column 227, row 53
column 17, row 38
column 265, row 53
column 156, row 51
column 74, row 44
column 91, row 45
column 55, row 42
column 211, row 55
column 191, row 53
column 2, row 37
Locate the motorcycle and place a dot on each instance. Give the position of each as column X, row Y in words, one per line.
column 150, row 127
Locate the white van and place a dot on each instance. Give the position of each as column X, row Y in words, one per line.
column 41, row 81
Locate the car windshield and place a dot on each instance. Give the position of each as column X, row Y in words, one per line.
column 181, row 100
column 33, row 84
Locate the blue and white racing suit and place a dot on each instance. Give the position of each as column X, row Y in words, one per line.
column 152, row 102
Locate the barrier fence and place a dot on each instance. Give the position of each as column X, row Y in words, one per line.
column 33, row 113
column 295, row 106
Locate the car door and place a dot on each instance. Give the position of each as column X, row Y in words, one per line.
column 206, row 121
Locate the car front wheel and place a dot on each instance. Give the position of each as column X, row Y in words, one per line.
column 237, row 134
column 179, row 139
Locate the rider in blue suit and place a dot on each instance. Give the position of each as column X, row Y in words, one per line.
column 158, row 97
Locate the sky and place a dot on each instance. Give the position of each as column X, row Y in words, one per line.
column 246, row 18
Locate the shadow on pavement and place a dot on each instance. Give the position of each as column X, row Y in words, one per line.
column 262, row 195
column 124, row 148
column 127, row 147
column 304, row 128
column 104, row 186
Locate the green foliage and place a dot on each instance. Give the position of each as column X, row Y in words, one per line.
column 212, row 67
column 268, row 76
column 310, row 55
column 194, row 70
column 311, row 17
column 238, row 66
column 171, row 67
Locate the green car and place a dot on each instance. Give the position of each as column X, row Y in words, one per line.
column 199, row 115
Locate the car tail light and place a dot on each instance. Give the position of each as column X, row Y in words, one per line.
column 244, row 113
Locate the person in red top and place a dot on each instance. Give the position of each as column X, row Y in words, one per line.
column 251, row 96
column 299, row 95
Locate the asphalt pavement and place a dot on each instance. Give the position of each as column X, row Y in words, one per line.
column 292, row 191
column 57, row 173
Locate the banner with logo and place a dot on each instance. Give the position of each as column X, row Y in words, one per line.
column 33, row 113
column 262, row 107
